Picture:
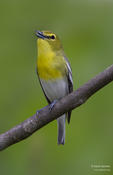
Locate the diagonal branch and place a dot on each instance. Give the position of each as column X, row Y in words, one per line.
column 73, row 100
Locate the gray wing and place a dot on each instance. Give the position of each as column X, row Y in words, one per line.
column 42, row 88
column 70, row 84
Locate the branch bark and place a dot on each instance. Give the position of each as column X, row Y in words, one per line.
column 45, row 115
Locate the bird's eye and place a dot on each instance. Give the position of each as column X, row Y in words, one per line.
column 52, row 37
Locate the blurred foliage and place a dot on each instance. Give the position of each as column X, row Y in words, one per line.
column 86, row 30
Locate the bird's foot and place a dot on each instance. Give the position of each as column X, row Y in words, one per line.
column 50, row 107
column 37, row 112
column 52, row 104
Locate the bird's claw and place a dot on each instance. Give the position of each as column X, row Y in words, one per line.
column 52, row 105
column 37, row 112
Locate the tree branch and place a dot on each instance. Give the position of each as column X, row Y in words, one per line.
column 45, row 115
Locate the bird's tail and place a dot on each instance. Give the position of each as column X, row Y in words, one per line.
column 61, row 129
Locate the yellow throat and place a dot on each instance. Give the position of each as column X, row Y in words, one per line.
column 50, row 63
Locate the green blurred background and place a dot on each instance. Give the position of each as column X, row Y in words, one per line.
column 86, row 30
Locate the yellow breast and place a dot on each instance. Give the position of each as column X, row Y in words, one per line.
column 49, row 65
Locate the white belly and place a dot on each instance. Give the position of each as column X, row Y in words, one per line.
column 55, row 89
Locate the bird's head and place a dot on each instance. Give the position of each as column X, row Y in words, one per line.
column 48, row 39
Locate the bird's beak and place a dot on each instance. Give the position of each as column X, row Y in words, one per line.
column 39, row 34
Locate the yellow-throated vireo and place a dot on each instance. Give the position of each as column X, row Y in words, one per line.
column 54, row 73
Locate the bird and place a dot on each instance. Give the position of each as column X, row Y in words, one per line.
column 54, row 74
